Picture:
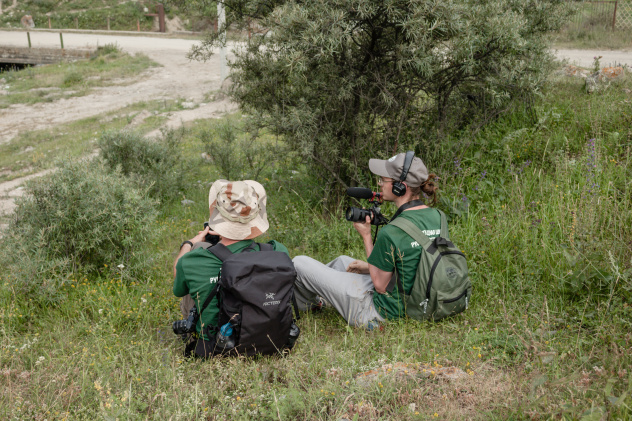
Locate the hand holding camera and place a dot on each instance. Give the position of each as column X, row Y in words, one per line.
column 354, row 214
column 187, row 325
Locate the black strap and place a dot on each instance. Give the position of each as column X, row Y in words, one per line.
column 437, row 242
column 209, row 298
column 295, row 305
column 266, row 247
column 220, row 251
column 405, row 206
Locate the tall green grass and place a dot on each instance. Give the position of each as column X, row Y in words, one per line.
column 543, row 213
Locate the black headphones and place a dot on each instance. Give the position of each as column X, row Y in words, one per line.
column 399, row 188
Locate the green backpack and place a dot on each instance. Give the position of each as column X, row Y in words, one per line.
column 442, row 287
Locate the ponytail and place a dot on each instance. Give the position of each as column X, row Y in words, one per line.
column 429, row 187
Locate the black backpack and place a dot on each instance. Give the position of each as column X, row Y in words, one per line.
column 256, row 291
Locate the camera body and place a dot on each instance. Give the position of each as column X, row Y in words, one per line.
column 181, row 327
column 354, row 214
column 210, row 238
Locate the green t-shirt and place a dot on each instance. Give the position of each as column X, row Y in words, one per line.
column 197, row 273
column 395, row 249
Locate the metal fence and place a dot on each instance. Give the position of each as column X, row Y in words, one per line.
column 623, row 15
column 601, row 15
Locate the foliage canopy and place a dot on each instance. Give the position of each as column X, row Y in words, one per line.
column 345, row 80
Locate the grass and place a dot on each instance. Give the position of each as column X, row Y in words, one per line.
column 590, row 27
column 52, row 82
column 593, row 39
column 546, row 223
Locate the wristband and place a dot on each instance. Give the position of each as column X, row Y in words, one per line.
column 186, row 242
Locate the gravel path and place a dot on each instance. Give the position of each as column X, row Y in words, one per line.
column 585, row 58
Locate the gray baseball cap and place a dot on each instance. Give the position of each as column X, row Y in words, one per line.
column 393, row 167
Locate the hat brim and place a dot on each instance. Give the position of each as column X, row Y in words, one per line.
column 378, row 167
column 235, row 230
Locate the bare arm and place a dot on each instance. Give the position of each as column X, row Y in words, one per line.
column 379, row 277
column 187, row 247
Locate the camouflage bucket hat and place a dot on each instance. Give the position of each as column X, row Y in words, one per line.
column 238, row 209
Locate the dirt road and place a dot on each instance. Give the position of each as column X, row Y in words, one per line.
column 585, row 58
column 177, row 77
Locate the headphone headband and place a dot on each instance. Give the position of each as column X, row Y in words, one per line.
column 408, row 160
column 399, row 188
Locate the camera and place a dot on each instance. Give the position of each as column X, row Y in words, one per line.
column 181, row 327
column 210, row 238
column 354, row 214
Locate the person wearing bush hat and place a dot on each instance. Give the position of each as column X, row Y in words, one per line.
column 238, row 209
column 238, row 215
column 362, row 291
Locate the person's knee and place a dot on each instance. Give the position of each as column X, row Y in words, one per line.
column 301, row 262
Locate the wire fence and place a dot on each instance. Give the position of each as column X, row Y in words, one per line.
column 601, row 15
column 624, row 15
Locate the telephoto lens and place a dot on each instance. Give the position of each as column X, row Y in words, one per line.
column 357, row 214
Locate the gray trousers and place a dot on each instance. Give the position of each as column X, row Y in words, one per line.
column 351, row 294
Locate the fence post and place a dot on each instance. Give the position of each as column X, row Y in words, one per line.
column 108, row 23
column 76, row 23
column 49, row 26
column 61, row 39
column 161, row 17
column 28, row 36
column 138, row 25
column 614, row 16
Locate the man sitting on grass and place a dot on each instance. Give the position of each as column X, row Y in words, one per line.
column 238, row 215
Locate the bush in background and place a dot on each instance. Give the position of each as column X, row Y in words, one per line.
column 81, row 218
column 153, row 164
column 239, row 155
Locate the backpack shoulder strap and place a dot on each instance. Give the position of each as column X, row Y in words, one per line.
column 413, row 230
column 210, row 297
column 444, row 225
column 262, row 247
column 266, row 247
column 220, row 251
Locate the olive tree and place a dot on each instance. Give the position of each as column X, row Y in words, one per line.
column 345, row 80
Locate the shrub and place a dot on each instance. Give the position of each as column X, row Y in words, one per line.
column 72, row 78
column 239, row 155
column 110, row 48
column 81, row 218
column 153, row 164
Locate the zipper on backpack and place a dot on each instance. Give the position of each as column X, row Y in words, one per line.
column 424, row 304
column 451, row 300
